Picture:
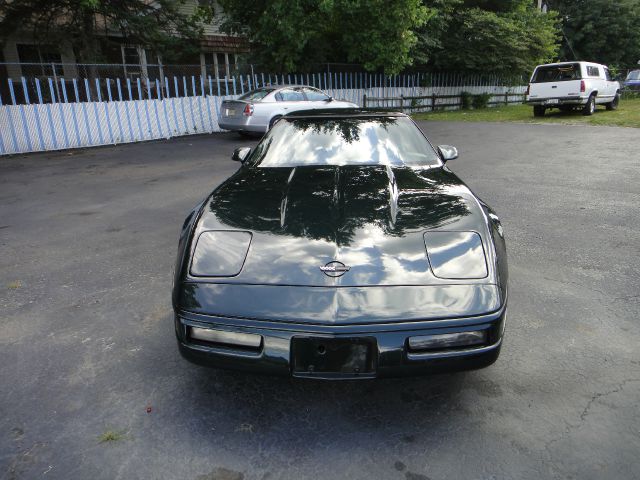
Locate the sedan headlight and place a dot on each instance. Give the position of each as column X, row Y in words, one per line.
column 456, row 255
column 220, row 253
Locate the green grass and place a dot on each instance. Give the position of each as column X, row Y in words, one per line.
column 627, row 115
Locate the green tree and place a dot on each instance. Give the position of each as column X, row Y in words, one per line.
column 160, row 23
column 487, row 36
column 288, row 35
column 603, row 31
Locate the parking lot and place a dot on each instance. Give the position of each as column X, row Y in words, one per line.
column 92, row 384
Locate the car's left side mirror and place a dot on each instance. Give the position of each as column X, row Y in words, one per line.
column 240, row 154
column 447, row 152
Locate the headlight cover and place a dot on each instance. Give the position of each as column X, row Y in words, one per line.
column 220, row 253
column 456, row 255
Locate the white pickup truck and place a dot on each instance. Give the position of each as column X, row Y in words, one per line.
column 570, row 86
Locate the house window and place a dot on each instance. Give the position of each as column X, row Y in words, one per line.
column 131, row 61
column 47, row 61
column 217, row 64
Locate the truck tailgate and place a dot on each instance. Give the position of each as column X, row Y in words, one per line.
column 555, row 89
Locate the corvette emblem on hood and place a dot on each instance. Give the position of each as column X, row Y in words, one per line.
column 335, row 269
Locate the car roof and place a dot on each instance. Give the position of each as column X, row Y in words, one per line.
column 570, row 63
column 344, row 113
column 285, row 85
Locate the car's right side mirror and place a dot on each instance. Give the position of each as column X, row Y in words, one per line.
column 240, row 154
column 447, row 152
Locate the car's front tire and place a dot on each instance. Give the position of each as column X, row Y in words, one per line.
column 538, row 111
column 614, row 104
column 590, row 107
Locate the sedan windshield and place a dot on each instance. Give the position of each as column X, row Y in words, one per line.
column 394, row 141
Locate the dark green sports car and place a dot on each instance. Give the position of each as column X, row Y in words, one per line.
column 342, row 248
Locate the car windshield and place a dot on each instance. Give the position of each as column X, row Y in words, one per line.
column 557, row 73
column 394, row 141
column 255, row 95
column 634, row 75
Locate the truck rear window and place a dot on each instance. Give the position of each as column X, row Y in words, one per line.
column 557, row 73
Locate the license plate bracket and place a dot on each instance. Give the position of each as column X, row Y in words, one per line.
column 317, row 356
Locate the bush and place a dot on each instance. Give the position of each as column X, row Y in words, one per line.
column 465, row 100
column 628, row 94
column 481, row 101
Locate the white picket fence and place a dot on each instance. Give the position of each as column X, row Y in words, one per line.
column 55, row 126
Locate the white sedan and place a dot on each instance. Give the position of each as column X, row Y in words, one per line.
column 258, row 110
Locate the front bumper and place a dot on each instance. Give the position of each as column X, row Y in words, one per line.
column 557, row 101
column 391, row 356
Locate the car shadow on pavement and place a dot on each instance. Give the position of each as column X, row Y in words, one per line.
column 402, row 404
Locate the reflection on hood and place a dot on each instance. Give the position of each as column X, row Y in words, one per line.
column 332, row 203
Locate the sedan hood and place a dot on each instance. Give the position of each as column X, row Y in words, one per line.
column 372, row 219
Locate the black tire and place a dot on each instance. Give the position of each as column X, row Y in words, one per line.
column 590, row 106
column 274, row 120
column 614, row 104
column 538, row 111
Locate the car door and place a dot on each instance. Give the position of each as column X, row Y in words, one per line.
column 612, row 86
column 599, row 83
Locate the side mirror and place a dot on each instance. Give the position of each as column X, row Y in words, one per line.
column 447, row 152
column 240, row 154
column 329, row 99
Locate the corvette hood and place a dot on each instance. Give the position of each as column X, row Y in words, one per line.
column 370, row 218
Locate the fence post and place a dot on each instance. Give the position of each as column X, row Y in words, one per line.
column 433, row 101
column 506, row 97
column 364, row 100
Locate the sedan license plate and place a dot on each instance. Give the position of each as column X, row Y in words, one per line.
column 230, row 112
column 346, row 356
column 552, row 101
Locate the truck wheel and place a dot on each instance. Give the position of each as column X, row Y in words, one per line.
column 538, row 111
column 590, row 107
column 614, row 105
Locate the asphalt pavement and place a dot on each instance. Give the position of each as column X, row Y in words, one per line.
column 92, row 385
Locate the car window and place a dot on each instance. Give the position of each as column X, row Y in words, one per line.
column 557, row 73
column 297, row 142
column 314, row 95
column 593, row 71
column 607, row 74
column 255, row 95
column 289, row 95
column 634, row 75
